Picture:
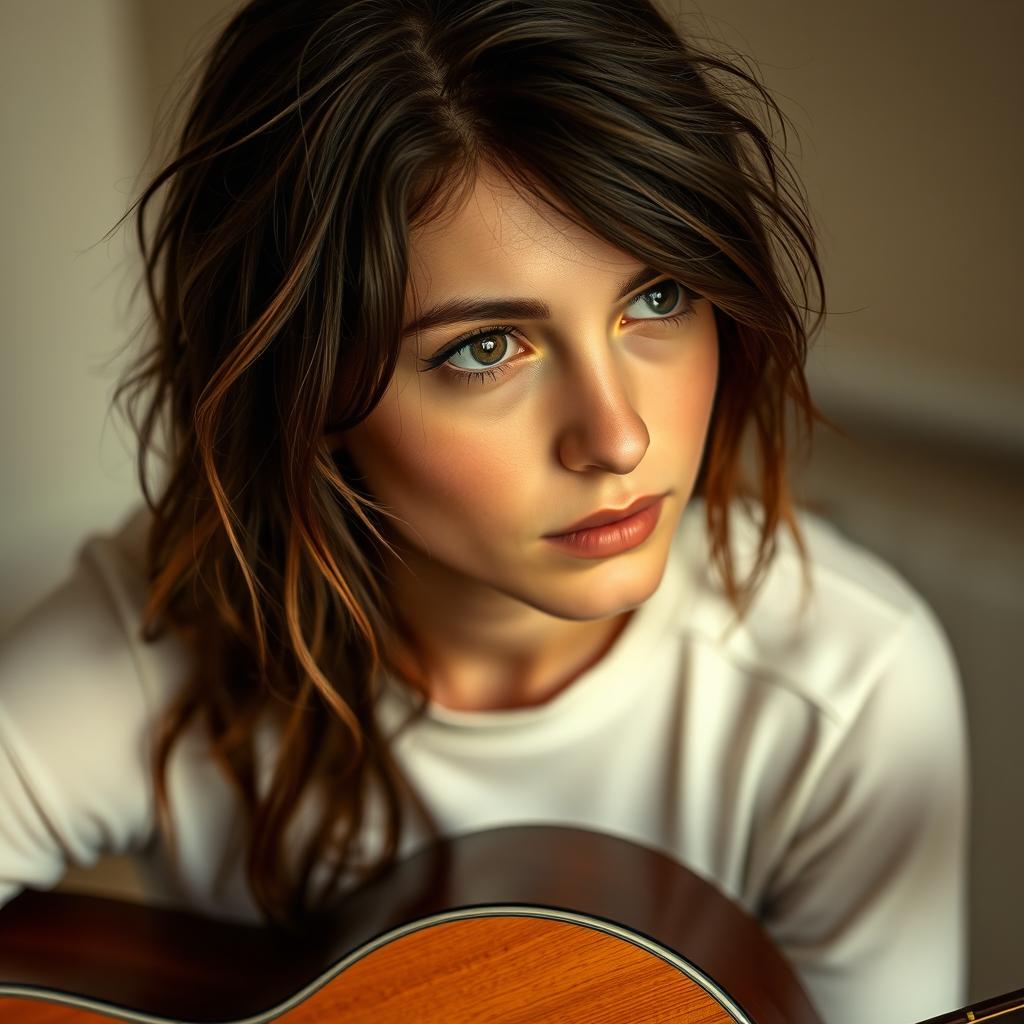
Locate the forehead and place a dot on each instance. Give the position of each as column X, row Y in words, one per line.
column 498, row 240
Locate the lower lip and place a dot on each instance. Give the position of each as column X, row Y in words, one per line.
column 602, row 541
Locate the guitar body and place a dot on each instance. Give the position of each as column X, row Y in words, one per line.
column 517, row 925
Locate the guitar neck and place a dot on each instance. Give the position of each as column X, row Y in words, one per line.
column 1004, row 1009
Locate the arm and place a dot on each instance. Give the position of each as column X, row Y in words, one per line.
column 869, row 900
column 73, row 774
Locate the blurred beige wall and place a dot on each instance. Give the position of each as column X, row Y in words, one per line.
column 910, row 146
column 911, row 149
column 71, row 121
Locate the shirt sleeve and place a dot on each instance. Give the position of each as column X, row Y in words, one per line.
column 73, row 753
column 869, row 901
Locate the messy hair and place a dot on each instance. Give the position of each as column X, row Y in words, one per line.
column 318, row 134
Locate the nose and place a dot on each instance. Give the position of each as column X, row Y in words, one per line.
column 599, row 425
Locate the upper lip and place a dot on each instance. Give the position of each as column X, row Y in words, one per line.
column 610, row 515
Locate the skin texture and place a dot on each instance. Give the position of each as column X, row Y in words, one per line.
column 600, row 404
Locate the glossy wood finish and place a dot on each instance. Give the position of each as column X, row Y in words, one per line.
column 177, row 965
column 34, row 1011
column 516, row 970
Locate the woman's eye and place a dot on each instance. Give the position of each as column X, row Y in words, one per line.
column 663, row 298
column 485, row 352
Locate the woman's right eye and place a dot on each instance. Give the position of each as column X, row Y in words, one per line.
column 491, row 347
column 485, row 336
column 487, row 346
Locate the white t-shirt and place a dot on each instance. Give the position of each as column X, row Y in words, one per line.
column 813, row 768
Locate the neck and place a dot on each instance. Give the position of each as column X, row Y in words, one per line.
column 472, row 648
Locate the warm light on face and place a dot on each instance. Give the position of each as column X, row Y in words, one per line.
column 604, row 394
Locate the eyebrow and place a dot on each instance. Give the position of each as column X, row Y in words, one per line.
column 455, row 311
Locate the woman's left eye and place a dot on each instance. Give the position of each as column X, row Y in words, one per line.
column 489, row 346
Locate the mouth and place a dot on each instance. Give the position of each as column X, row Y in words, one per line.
column 604, row 517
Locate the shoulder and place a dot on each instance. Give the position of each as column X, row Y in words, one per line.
column 83, row 637
column 860, row 623
column 70, row 647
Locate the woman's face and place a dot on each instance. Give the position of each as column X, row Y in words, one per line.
column 590, row 407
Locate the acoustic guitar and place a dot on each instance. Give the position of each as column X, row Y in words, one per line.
column 536, row 924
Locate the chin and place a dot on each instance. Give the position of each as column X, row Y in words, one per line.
column 601, row 594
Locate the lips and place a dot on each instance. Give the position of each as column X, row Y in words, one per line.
column 610, row 515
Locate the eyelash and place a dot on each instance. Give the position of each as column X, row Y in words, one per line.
column 460, row 343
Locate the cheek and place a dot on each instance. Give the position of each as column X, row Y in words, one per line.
column 705, row 378
column 685, row 398
column 430, row 468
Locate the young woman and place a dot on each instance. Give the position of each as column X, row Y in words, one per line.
column 434, row 282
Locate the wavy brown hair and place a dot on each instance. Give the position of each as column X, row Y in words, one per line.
column 319, row 133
